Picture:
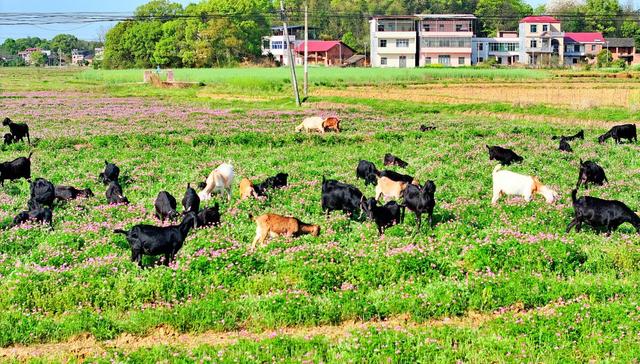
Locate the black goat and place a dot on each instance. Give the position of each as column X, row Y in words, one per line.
column 398, row 177
column 564, row 146
column 392, row 160
column 165, row 206
column 111, row 173
column 619, row 132
column 427, row 128
column 202, row 185
column 8, row 139
column 578, row 135
column 41, row 215
column 43, row 193
column 191, row 200
column 155, row 240
column 420, row 200
column 601, row 213
column 277, row 181
column 114, row 194
column 66, row 193
column 384, row 216
column 340, row 196
column 19, row 131
column 367, row 171
column 591, row 172
column 209, row 216
column 16, row 169
column 503, row 155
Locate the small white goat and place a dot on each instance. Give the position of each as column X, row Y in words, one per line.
column 219, row 180
column 312, row 123
column 511, row 183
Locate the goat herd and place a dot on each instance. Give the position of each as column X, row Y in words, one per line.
column 335, row 196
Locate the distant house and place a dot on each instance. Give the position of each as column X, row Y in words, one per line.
column 276, row 46
column 324, row 52
column 582, row 47
column 622, row 48
column 77, row 57
column 505, row 48
column 26, row 54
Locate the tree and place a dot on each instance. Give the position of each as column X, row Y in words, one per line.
column 600, row 15
column 38, row 58
column 604, row 58
column 65, row 43
column 631, row 29
column 349, row 39
column 510, row 12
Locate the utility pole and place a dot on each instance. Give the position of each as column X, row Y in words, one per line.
column 59, row 57
column 306, row 51
column 292, row 66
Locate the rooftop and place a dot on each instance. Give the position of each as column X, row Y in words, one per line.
column 593, row 37
column 539, row 19
column 318, row 45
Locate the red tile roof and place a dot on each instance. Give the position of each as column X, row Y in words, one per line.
column 540, row 19
column 318, row 45
column 584, row 37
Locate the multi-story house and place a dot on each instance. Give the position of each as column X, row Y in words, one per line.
column 542, row 40
column 580, row 48
column 622, row 48
column 505, row 48
column 445, row 39
column 393, row 41
column 276, row 45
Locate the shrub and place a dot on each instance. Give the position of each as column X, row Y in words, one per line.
column 604, row 58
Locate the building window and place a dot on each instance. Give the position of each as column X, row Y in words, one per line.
column 383, row 61
column 427, row 60
column 576, row 48
column 441, row 27
column 503, row 47
column 446, row 42
column 534, row 44
column 480, row 46
column 461, row 60
column 383, row 43
column 534, row 28
column 480, row 59
column 381, row 27
column 593, row 47
column 402, row 43
column 426, row 27
column 575, row 61
column 444, row 60
column 458, row 27
column 266, row 44
column 545, row 28
column 276, row 44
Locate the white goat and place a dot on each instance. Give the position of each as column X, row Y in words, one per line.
column 511, row 183
column 312, row 123
column 219, row 180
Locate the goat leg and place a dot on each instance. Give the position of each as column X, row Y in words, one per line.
column 572, row 224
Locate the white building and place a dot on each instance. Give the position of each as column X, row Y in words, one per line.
column 276, row 44
column 505, row 48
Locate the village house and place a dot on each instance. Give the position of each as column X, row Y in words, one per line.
column 622, row 48
column 26, row 54
column 582, row 48
column 276, row 46
column 324, row 52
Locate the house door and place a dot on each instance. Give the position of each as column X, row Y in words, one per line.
column 403, row 61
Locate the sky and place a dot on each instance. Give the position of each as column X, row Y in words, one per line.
column 84, row 31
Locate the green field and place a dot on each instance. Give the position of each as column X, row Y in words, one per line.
column 487, row 284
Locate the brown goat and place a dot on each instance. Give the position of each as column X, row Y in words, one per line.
column 246, row 189
column 331, row 123
column 272, row 225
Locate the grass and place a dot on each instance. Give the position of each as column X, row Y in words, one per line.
column 548, row 296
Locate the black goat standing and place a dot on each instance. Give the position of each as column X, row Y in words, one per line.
column 16, row 169
column 165, row 206
column 503, row 155
column 114, row 194
column 110, row 174
column 420, row 200
column 591, row 172
column 156, row 240
column 191, row 200
column 601, row 213
column 339, row 196
column 619, row 132
column 367, row 171
column 384, row 216
column 19, row 131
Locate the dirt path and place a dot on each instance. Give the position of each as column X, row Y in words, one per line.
column 86, row 346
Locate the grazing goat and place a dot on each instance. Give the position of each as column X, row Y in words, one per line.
column 564, row 146
column 219, row 180
column 311, row 123
column 8, row 139
column 389, row 189
column 367, row 171
column 338, row 196
column 191, row 200
column 202, row 185
column 42, row 215
column 601, row 213
column 384, row 216
column 619, row 132
column 503, row 155
column 277, row 181
column 19, row 131
column 43, row 193
column 66, row 193
column 578, row 135
column 511, row 183
column 420, row 200
column 165, row 206
column 392, row 160
column 591, row 172
column 427, row 128
column 272, row 225
column 331, row 123
column 398, row 177
column 16, row 169
column 247, row 189
column 111, row 173
column 156, row 240
column 209, row 216
column 114, row 194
